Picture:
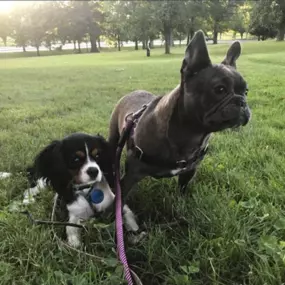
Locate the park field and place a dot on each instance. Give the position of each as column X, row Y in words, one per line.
column 234, row 210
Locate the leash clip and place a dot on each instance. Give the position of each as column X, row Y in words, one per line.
column 141, row 152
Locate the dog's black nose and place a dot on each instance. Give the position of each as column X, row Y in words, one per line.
column 92, row 172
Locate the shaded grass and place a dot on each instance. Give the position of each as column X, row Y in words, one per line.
column 235, row 207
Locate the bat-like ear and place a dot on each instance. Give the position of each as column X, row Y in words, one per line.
column 232, row 54
column 196, row 55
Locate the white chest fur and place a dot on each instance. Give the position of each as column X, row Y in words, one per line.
column 108, row 196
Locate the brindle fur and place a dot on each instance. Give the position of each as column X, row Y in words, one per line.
column 175, row 125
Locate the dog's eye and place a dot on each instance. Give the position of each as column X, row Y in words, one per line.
column 220, row 90
column 96, row 156
column 76, row 159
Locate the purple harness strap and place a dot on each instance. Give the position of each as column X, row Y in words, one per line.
column 130, row 122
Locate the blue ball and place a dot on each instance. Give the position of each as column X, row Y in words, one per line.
column 96, row 196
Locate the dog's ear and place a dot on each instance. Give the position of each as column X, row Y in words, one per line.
column 48, row 159
column 106, row 160
column 232, row 54
column 102, row 141
column 196, row 55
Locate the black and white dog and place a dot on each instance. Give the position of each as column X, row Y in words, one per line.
column 73, row 166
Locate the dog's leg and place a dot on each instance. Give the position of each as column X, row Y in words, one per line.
column 133, row 174
column 131, row 225
column 29, row 194
column 129, row 219
column 79, row 210
column 184, row 179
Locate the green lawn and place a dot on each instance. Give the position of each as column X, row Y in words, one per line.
column 236, row 213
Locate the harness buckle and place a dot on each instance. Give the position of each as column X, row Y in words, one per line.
column 181, row 163
column 129, row 116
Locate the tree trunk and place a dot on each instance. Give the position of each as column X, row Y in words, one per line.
column 188, row 38
column 180, row 39
column 241, row 35
column 258, row 38
column 215, row 38
column 136, row 44
column 93, row 42
column 119, row 43
column 192, row 32
column 167, row 37
column 24, row 48
column 86, row 46
column 215, row 33
column 38, row 50
column 281, row 33
column 74, row 44
column 171, row 40
column 4, row 40
column 79, row 48
column 99, row 43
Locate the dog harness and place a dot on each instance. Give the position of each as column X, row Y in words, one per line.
column 187, row 164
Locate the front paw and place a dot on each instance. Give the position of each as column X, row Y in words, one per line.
column 74, row 241
column 135, row 238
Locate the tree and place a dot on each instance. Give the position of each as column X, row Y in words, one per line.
column 5, row 28
column 141, row 22
column 115, row 22
column 168, row 14
column 262, row 23
column 19, row 27
column 193, row 13
column 278, row 9
column 37, row 24
column 219, row 13
column 240, row 20
column 93, row 17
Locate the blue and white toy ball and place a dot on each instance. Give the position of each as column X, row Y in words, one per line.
column 96, row 196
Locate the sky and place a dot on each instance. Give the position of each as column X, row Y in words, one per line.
column 7, row 6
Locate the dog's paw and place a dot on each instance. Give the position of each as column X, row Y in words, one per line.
column 4, row 175
column 130, row 222
column 74, row 241
column 134, row 238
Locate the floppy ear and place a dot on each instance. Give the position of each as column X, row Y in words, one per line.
column 48, row 160
column 196, row 55
column 106, row 160
column 232, row 54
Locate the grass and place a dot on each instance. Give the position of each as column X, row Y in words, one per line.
column 235, row 207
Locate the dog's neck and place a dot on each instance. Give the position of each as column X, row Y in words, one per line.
column 181, row 128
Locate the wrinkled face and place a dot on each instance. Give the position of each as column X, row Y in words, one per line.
column 83, row 156
column 214, row 94
column 219, row 94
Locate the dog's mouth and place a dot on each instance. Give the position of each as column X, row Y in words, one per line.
column 80, row 186
column 231, row 113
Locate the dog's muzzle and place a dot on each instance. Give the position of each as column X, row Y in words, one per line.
column 231, row 112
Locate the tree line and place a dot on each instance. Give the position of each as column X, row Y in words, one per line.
column 47, row 23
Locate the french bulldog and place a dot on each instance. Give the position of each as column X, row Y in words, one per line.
column 171, row 136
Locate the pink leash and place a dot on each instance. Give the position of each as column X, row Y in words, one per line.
column 130, row 122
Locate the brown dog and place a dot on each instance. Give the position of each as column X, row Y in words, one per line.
column 171, row 136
